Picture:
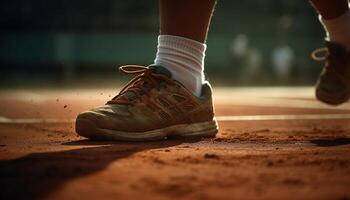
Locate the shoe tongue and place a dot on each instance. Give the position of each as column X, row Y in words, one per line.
column 336, row 49
column 157, row 69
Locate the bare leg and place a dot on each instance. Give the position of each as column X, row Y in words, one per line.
column 335, row 18
column 186, row 18
column 330, row 9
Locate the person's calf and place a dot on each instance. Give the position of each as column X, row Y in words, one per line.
column 335, row 18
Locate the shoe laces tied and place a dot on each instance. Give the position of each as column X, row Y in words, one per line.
column 146, row 79
column 324, row 51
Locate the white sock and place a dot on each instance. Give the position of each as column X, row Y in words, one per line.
column 184, row 58
column 338, row 29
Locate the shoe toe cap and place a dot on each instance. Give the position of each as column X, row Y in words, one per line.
column 86, row 124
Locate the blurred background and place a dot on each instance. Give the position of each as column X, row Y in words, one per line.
column 61, row 43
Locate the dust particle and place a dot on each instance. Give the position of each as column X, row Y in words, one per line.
column 270, row 163
column 292, row 181
column 219, row 139
column 211, row 156
column 316, row 129
column 159, row 161
column 65, row 106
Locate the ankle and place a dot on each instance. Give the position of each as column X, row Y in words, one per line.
column 184, row 58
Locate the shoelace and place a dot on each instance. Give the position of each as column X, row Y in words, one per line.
column 315, row 54
column 144, row 75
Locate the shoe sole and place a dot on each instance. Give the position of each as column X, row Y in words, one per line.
column 330, row 98
column 87, row 128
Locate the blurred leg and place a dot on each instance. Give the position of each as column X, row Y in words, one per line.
column 333, row 85
column 335, row 17
column 181, row 45
column 330, row 9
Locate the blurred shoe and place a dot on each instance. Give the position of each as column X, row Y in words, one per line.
column 333, row 85
column 151, row 106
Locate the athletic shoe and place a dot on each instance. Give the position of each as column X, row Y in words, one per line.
column 333, row 85
column 151, row 106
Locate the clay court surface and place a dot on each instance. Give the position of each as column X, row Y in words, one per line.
column 274, row 143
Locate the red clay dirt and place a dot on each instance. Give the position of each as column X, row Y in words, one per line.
column 271, row 159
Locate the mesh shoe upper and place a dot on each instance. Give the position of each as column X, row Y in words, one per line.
column 152, row 100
